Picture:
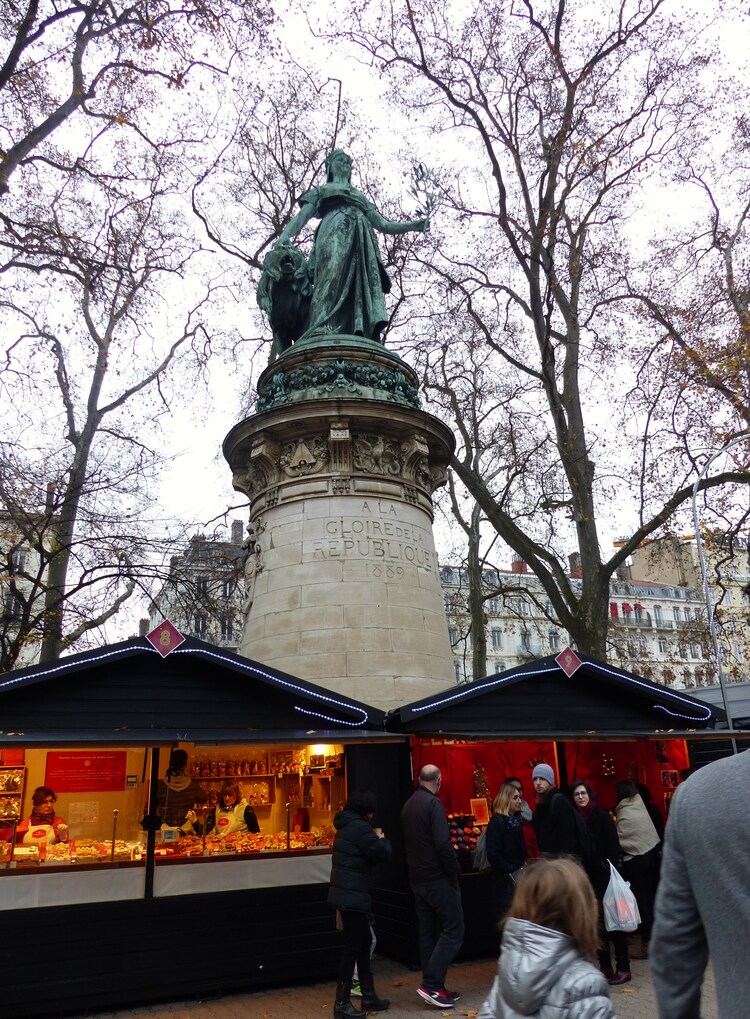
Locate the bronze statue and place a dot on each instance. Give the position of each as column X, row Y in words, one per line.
column 345, row 268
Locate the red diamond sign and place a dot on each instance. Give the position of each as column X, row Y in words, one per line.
column 568, row 661
column 165, row 637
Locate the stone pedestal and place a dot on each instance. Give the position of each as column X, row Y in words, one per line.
column 340, row 464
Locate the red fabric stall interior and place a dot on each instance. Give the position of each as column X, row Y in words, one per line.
column 474, row 770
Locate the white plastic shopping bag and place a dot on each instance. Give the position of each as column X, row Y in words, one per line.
column 620, row 908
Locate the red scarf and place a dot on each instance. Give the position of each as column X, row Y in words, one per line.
column 37, row 818
column 587, row 811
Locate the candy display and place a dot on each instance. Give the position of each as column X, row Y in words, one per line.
column 464, row 834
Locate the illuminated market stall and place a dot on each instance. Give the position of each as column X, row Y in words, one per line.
column 121, row 913
column 598, row 723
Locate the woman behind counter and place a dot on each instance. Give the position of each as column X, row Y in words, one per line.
column 43, row 826
column 232, row 814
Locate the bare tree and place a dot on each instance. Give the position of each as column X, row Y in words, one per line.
column 104, row 65
column 104, row 289
column 560, row 119
column 75, row 369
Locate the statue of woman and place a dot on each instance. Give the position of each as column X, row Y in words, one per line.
column 349, row 279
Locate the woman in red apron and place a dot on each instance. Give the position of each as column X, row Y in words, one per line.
column 43, row 827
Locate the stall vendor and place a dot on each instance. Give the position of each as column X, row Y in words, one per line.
column 233, row 814
column 177, row 794
column 43, row 826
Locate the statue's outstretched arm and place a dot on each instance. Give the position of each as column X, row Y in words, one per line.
column 387, row 226
column 296, row 223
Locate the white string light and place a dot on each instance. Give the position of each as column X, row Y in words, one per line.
column 276, row 679
column 67, row 666
column 602, row 668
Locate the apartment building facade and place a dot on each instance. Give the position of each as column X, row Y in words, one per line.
column 204, row 593
column 657, row 629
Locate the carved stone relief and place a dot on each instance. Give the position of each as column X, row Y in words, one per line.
column 375, row 454
column 304, row 456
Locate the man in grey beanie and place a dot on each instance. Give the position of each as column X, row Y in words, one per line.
column 554, row 818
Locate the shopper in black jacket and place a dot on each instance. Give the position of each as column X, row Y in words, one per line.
column 505, row 848
column 356, row 848
column 604, row 830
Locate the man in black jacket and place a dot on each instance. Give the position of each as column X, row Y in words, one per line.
column 554, row 818
column 434, row 878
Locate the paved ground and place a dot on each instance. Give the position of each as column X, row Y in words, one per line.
column 394, row 981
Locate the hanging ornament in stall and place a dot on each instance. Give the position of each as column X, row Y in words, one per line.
column 481, row 785
column 608, row 766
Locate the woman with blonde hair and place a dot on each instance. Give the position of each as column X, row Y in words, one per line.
column 505, row 847
column 545, row 969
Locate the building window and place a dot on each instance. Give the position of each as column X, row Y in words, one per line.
column 17, row 561
column 12, row 608
column 227, row 588
column 453, row 635
column 200, row 624
column 738, row 654
column 493, row 605
column 676, row 614
column 695, row 651
column 639, row 613
column 457, row 667
column 227, row 628
column 657, row 614
column 526, row 640
column 497, row 638
column 498, row 667
column 554, row 640
column 699, row 677
column 662, row 646
column 447, row 602
column 201, row 586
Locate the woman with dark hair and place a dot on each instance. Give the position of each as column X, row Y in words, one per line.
column 232, row 814
column 640, row 855
column 43, row 826
column 602, row 827
column 356, row 849
column 505, row 849
column 549, row 936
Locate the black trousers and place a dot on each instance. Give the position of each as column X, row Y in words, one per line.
column 356, row 948
column 643, row 874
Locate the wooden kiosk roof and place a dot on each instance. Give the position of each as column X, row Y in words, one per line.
column 200, row 693
column 540, row 700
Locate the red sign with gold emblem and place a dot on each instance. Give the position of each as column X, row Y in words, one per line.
column 165, row 637
column 568, row 661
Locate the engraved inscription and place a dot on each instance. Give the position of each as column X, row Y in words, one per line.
column 378, row 535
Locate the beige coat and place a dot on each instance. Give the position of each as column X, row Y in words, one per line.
column 635, row 829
